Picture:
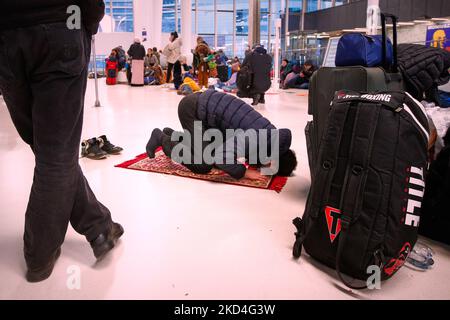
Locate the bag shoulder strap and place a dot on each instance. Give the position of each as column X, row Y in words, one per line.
column 360, row 150
column 325, row 169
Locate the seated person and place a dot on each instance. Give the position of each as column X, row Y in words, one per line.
column 235, row 66
column 189, row 85
column 199, row 112
column 150, row 60
column 301, row 81
column 179, row 69
column 230, row 85
column 121, row 57
column 285, row 69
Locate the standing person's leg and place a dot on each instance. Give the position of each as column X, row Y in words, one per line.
column 55, row 60
column 256, row 97
column 169, row 72
column 262, row 98
column 59, row 115
column 200, row 79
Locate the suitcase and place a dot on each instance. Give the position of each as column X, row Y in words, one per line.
column 326, row 81
column 222, row 72
column 137, row 73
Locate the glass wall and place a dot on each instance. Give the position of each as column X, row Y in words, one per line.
column 223, row 24
column 295, row 6
column 214, row 20
column 312, row 5
column 118, row 16
column 270, row 11
column 171, row 10
column 241, row 41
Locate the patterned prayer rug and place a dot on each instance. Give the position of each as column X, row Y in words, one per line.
column 163, row 164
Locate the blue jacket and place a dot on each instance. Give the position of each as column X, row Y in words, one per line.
column 223, row 111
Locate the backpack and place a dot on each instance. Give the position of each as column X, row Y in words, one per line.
column 363, row 208
column 244, row 79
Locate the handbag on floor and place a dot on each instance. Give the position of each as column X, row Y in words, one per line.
column 363, row 208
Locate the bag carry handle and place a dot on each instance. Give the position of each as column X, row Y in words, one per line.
column 394, row 39
column 345, row 223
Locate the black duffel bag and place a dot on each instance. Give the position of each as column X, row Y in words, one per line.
column 363, row 208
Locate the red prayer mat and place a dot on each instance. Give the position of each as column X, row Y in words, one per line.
column 163, row 164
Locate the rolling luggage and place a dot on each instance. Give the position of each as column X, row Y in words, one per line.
column 222, row 72
column 364, row 206
column 137, row 73
column 326, row 81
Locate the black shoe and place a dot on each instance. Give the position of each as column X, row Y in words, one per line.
column 256, row 99
column 168, row 131
column 41, row 274
column 107, row 146
column 91, row 149
column 106, row 241
column 154, row 142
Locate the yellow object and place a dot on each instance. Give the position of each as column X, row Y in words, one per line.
column 191, row 83
column 439, row 39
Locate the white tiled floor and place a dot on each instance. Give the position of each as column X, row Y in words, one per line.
column 185, row 239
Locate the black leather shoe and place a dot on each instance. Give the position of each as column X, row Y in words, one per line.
column 105, row 242
column 41, row 274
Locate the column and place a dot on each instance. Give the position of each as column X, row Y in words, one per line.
column 254, row 23
column 373, row 16
column 148, row 15
column 186, row 26
column 156, row 24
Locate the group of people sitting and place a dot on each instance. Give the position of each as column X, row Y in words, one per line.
column 294, row 75
column 209, row 69
column 149, row 61
column 185, row 78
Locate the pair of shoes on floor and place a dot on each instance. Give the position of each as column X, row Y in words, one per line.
column 101, row 246
column 99, row 148
column 155, row 140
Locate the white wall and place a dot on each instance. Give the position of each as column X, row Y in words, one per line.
column 104, row 42
column 412, row 34
column 148, row 15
